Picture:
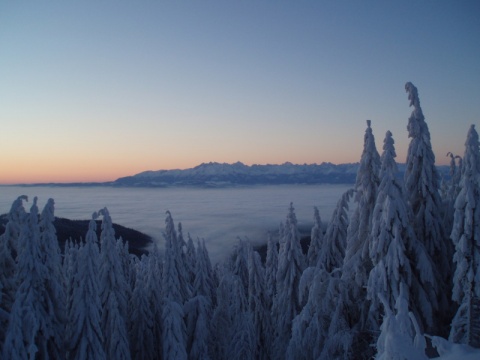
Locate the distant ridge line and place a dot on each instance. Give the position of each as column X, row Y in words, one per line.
column 218, row 175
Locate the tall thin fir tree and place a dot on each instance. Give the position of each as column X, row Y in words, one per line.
column 8, row 242
column 29, row 331
column 54, row 283
column 287, row 303
column 174, row 336
column 84, row 331
column 422, row 191
column 399, row 260
column 153, row 284
column 113, row 293
column 198, row 310
column 333, row 248
column 465, row 327
column 259, row 303
column 271, row 266
column 316, row 239
column 142, row 341
column 357, row 263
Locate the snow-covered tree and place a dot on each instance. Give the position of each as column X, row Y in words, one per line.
column 54, row 283
column 466, row 238
column 242, row 341
column 198, row 310
column 287, row 304
column 29, row 330
column 142, row 341
column 238, row 262
column 400, row 337
column 153, row 285
column 259, row 303
column 333, row 248
column 316, row 239
column 84, row 332
column 173, row 331
column 399, row 259
column 357, row 263
column 422, row 191
column 113, row 293
column 8, row 246
column 271, row 266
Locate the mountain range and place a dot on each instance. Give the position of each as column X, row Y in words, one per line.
column 214, row 174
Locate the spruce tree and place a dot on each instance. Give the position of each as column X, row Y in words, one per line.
column 271, row 266
column 84, row 331
column 173, row 331
column 333, row 248
column 287, row 304
column 316, row 239
column 8, row 246
column 142, row 341
column 29, row 330
column 466, row 238
column 113, row 293
column 399, row 259
column 259, row 303
column 422, row 191
column 54, row 283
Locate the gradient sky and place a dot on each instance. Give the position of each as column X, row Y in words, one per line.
column 96, row 90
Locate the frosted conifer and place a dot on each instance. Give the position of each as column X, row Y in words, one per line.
column 287, row 304
column 29, row 330
column 357, row 264
column 316, row 239
column 422, row 191
column 399, row 259
column 333, row 248
column 259, row 304
column 54, row 283
column 466, row 238
column 173, row 331
column 84, row 332
column 142, row 341
column 113, row 293
column 8, row 246
column 271, row 266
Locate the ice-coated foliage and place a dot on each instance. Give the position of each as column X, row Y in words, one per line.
column 113, row 293
column 84, row 333
column 422, row 192
column 30, row 328
column 271, row 266
column 153, row 285
column 8, row 246
column 333, row 248
column 357, row 263
column 260, row 304
column 316, row 239
column 394, row 249
column 198, row 310
column 400, row 337
column 142, row 341
column 466, row 238
column 174, row 335
column 54, row 289
column 286, row 303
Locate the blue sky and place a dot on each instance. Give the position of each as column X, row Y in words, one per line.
column 95, row 90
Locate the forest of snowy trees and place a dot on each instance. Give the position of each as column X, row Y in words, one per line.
column 397, row 272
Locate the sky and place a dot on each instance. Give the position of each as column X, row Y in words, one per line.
column 97, row 90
